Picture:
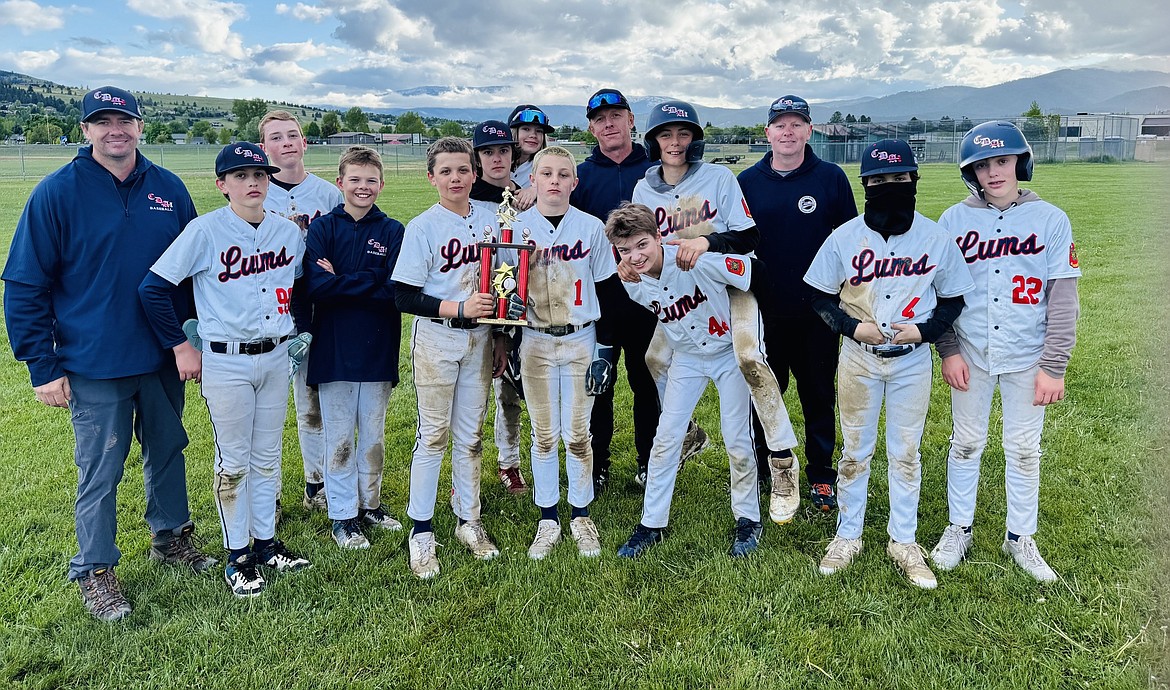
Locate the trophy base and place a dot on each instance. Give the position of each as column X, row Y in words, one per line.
column 504, row 322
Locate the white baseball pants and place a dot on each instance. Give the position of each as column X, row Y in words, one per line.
column 686, row 381
column 507, row 424
column 1022, row 426
column 554, row 386
column 863, row 381
column 452, row 375
column 310, row 431
column 353, row 473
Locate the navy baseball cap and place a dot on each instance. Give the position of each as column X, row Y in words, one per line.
column 789, row 104
column 490, row 133
column 109, row 98
column 243, row 154
column 888, row 156
column 530, row 115
column 606, row 98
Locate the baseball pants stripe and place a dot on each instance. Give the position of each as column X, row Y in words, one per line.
column 353, row 473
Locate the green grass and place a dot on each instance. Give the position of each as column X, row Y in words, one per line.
column 685, row 615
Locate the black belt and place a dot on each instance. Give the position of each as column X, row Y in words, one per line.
column 256, row 347
column 888, row 350
column 561, row 331
column 463, row 324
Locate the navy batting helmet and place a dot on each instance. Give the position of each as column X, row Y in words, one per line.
column 674, row 113
column 887, row 156
column 530, row 115
column 991, row 139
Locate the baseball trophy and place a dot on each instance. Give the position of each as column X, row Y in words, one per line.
column 508, row 283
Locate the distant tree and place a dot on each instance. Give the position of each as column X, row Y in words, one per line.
column 330, row 124
column 245, row 110
column 451, row 128
column 864, row 118
column 249, row 130
column 410, row 123
column 386, row 129
column 836, row 117
column 226, row 135
column 200, row 128
column 211, row 137
column 43, row 133
column 850, row 119
column 5, row 129
column 433, row 133
column 1033, row 111
column 313, row 130
column 74, row 134
column 156, row 130
column 356, row 120
column 177, row 127
column 585, row 137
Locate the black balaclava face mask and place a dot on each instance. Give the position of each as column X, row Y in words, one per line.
column 889, row 207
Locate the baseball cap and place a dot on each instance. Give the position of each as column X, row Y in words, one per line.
column 887, row 156
column 490, row 133
column 789, row 104
column 606, row 98
column 109, row 98
column 530, row 115
column 243, row 154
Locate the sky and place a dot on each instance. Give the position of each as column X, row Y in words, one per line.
column 735, row 54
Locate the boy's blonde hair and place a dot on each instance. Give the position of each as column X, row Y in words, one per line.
column 359, row 155
column 630, row 219
column 274, row 115
column 449, row 145
column 559, row 152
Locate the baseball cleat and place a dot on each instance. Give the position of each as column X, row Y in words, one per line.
column 642, row 538
column 839, row 554
column 316, row 502
column 824, row 496
column 378, row 517
column 348, row 534
column 640, row 477
column 600, row 480
column 102, row 595
column 745, row 537
column 243, row 577
column 548, row 533
column 1024, row 552
column 474, row 536
column 784, row 499
column 278, row 557
column 177, row 549
column 693, row 443
column 512, row 480
column 423, row 562
column 952, row 547
column 584, row 532
column 910, row 560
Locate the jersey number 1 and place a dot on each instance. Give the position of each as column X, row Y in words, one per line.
column 577, row 302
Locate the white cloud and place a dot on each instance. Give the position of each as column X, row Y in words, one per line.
column 303, row 12
column 203, row 24
column 31, row 61
column 30, row 17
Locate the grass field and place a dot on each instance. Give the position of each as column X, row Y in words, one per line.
column 685, row 615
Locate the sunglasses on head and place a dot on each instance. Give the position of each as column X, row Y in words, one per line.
column 532, row 116
column 782, row 105
column 606, row 98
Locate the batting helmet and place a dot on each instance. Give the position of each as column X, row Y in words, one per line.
column 888, row 156
column 530, row 115
column 674, row 113
column 991, row 139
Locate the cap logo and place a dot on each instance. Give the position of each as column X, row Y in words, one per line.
column 674, row 110
column 108, row 98
column 249, row 153
column 492, row 129
column 988, row 142
column 886, row 156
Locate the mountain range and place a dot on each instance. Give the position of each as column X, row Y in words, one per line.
column 1065, row 92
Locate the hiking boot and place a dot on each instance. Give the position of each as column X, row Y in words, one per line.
column 177, row 549
column 102, row 595
column 911, row 560
column 548, row 533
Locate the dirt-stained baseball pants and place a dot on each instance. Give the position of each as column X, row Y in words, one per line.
column 353, row 472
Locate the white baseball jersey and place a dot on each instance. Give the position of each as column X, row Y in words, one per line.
column 565, row 267
column 243, row 276
column 440, row 253
column 304, row 203
column 692, row 306
column 708, row 199
column 521, row 174
column 898, row 280
column 1012, row 256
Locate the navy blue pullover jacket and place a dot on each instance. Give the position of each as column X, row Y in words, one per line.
column 356, row 327
column 794, row 214
column 83, row 244
column 603, row 185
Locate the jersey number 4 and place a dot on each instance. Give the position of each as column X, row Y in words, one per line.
column 1026, row 290
column 717, row 328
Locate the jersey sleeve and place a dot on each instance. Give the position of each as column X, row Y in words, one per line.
column 188, row 255
column 825, row 273
column 952, row 278
column 414, row 261
column 733, row 204
column 734, row 270
column 601, row 261
column 1061, row 252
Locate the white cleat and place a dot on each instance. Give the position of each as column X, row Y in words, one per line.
column 952, row 547
column 1027, row 556
column 584, row 532
column 839, row 554
column 473, row 535
column 784, row 499
column 548, row 533
column 911, row 561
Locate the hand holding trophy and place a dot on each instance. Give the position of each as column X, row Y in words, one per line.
column 508, row 283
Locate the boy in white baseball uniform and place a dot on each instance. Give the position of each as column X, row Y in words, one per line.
column 302, row 197
column 891, row 279
column 566, row 333
column 243, row 261
column 693, row 310
column 349, row 256
column 699, row 207
column 437, row 279
column 1017, row 333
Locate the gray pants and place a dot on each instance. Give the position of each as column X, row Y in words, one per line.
column 105, row 412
